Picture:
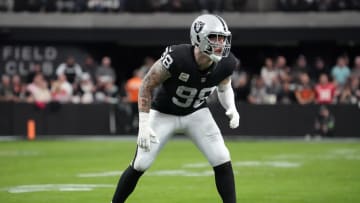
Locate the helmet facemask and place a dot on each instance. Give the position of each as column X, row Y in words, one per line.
column 210, row 46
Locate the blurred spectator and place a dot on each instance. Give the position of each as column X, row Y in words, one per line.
column 355, row 4
column 356, row 68
column 236, row 74
column 159, row 5
column 242, row 87
column 282, row 68
column 275, row 87
column 181, row 6
column 268, row 72
column 318, row 69
column 61, row 90
column 137, row 6
column 324, row 5
column 18, row 89
column 259, row 94
column 300, row 67
column 107, row 92
column 286, row 94
column 295, row 5
column 6, row 93
column 84, row 92
column 351, row 92
column 38, row 92
column 35, row 69
column 318, row 5
column 324, row 122
column 325, row 90
column 71, row 5
column 132, row 87
column 341, row 4
column 70, row 69
column 304, row 92
column 148, row 62
column 355, row 88
column 105, row 70
column 211, row 6
column 237, row 5
column 340, row 72
column 6, row 5
column 89, row 67
column 49, row 5
column 271, row 77
column 240, row 83
column 104, row 5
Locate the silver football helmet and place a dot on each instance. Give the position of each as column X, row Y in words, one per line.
column 211, row 34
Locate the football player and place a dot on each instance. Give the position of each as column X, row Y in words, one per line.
column 186, row 75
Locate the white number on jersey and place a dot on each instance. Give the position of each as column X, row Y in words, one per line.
column 166, row 59
column 188, row 95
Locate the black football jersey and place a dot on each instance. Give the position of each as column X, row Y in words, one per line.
column 188, row 87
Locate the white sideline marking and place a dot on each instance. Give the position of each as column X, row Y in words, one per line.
column 288, row 156
column 197, row 165
column 343, row 153
column 181, row 173
column 152, row 173
column 100, row 174
column 18, row 153
column 278, row 164
column 56, row 187
column 189, row 172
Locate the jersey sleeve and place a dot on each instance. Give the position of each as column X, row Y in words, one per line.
column 231, row 64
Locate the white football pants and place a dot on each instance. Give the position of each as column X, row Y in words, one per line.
column 200, row 126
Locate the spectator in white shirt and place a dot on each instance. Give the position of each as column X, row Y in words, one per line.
column 70, row 69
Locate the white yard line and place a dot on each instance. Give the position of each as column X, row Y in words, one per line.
column 12, row 153
column 55, row 187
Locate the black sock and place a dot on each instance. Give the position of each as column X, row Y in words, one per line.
column 126, row 185
column 225, row 184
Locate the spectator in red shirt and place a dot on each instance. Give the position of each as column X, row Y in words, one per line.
column 304, row 92
column 324, row 90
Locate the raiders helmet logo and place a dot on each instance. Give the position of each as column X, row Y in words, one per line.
column 198, row 26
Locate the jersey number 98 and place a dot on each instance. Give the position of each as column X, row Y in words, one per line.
column 187, row 96
column 166, row 59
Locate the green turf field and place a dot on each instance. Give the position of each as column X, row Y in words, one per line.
column 266, row 172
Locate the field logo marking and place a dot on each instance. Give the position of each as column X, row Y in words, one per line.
column 56, row 187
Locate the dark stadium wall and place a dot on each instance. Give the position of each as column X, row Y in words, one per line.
column 105, row 119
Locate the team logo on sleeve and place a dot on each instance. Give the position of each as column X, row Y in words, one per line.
column 184, row 77
column 198, row 26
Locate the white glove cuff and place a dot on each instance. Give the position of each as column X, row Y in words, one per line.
column 143, row 117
